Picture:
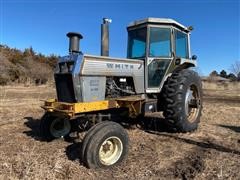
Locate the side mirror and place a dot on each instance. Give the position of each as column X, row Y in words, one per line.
column 194, row 57
column 190, row 28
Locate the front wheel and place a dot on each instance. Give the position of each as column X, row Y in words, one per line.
column 53, row 127
column 105, row 145
column 183, row 101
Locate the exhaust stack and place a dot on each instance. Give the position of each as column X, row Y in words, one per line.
column 74, row 39
column 105, row 37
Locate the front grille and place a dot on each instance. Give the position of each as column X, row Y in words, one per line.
column 64, row 87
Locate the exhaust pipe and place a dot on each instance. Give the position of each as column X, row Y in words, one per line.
column 105, row 37
column 74, row 39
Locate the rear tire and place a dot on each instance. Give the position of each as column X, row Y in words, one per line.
column 183, row 101
column 53, row 127
column 105, row 145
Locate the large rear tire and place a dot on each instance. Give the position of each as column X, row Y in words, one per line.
column 105, row 145
column 183, row 101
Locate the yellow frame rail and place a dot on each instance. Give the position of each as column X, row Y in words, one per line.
column 133, row 104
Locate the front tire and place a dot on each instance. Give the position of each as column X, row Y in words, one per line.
column 105, row 145
column 183, row 101
column 54, row 127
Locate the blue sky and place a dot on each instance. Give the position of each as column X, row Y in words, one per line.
column 43, row 24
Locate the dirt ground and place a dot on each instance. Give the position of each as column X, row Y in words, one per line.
column 211, row 152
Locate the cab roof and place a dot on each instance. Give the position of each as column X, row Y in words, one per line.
column 158, row 21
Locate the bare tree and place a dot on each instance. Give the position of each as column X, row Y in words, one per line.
column 235, row 68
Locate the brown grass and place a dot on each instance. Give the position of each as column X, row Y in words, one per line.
column 211, row 152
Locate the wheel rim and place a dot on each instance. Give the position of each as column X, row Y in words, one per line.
column 192, row 103
column 110, row 151
column 60, row 127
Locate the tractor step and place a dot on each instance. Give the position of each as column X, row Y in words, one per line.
column 150, row 106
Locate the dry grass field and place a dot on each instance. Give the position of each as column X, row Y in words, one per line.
column 211, row 152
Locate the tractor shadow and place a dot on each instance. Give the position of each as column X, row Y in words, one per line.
column 152, row 122
column 73, row 151
column 206, row 144
column 157, row 126
column 34, row 130
column 33, row 125
column 154, row 125
column 233, row 128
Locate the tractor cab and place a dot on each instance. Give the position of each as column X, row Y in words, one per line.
column 162, row 44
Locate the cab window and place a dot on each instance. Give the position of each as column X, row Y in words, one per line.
column 181, row 44
column 137, row 43
column 160, row 42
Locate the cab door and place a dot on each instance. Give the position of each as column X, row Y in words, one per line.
column 159, row 57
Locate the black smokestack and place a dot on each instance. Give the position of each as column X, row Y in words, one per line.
column 74, row 39
column 105, row 37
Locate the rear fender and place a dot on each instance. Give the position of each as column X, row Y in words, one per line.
column 185, row 65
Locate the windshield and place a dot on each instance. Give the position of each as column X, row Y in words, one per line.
column 160, row 42
column 137, row 43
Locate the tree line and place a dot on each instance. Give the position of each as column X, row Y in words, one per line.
column 25, row 66
column 234, row 74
